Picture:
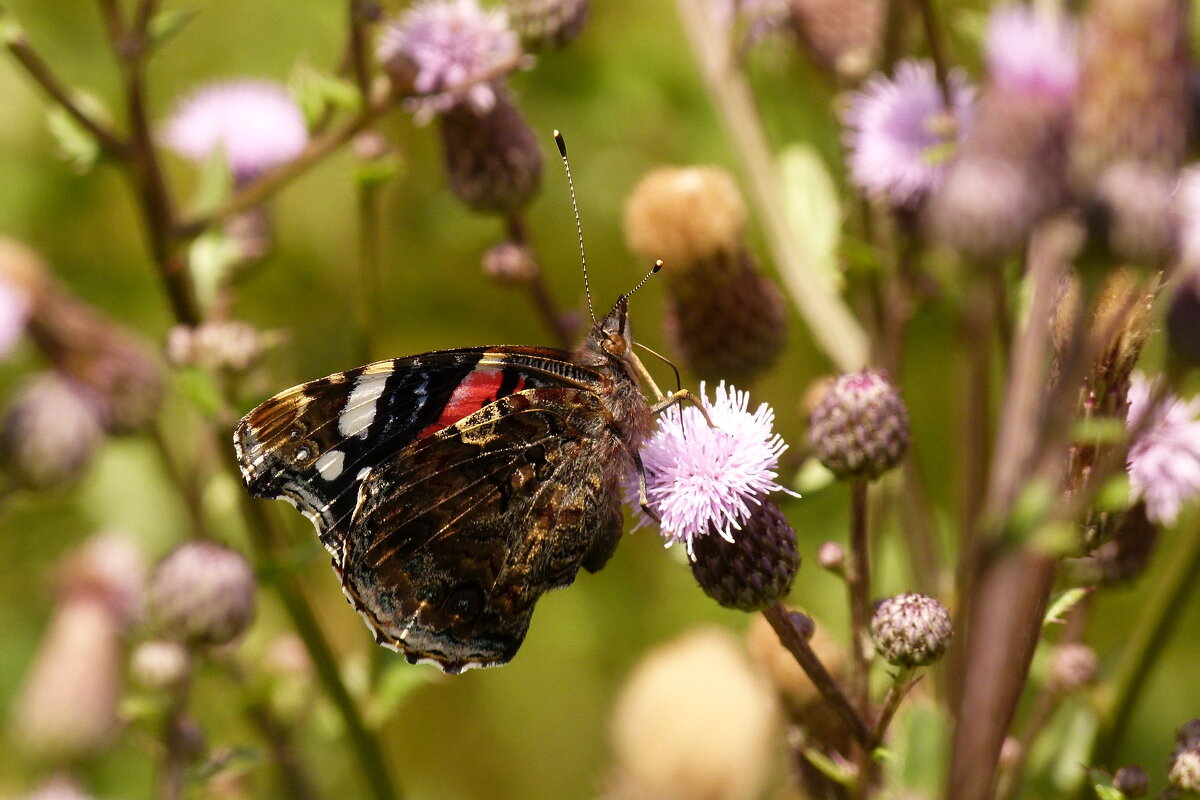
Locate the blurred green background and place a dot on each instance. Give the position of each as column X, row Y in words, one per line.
column 628, row 98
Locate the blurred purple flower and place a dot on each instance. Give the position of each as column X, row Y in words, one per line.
column 897, row 129
column 255, row 124
column 15, row 306
column 452, row 45
column 1164, row 460
column 1032, row 50
column 703, row 479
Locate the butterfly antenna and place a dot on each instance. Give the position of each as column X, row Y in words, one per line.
column 587, row 288
column 653, row 271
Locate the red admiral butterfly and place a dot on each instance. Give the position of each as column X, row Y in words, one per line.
column 454, row 488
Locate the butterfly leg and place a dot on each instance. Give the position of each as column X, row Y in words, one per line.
column 643, row 495
column 679, row 396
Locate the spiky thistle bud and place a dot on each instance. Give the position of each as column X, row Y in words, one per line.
column 492, row 158
column 725, row 318
column 51, row 432
column 859, row 430
column 757, row 569
column 1131, row 781
column 832, row 556
column 202, row 594
column 547, row 24
column 911, row 630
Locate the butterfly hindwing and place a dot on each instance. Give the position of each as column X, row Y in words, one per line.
column 457, row 536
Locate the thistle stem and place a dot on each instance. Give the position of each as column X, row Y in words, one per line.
column 858, row 583
column 899, row 689
column 806, row 657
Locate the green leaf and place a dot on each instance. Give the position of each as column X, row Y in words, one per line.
column 812, row 477
column 813, row 209
column 214, row 185
column 200, row 388
column 1055, row 615
column 829, row 768
column 369, row 174
column 165, row 25
column 317, row 91
column 212, row 257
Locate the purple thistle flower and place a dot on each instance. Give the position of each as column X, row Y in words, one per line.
column 897, row 132
column 1032, row 50
column 452, row 45
column 702, row 479
column 1164, row 460
column 255, row 124
column 15, row 307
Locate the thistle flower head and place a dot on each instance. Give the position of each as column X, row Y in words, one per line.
column 449, row 48
column 701, row 479
column 202, row 594
column 911, row 630
column 1032, row 50
column 255, row 124
column 897, row 129
column 1164, row 460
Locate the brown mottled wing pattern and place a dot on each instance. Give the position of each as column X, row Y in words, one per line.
column 456, row 536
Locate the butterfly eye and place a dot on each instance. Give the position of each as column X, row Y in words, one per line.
column 615, row 344
column 465, row 602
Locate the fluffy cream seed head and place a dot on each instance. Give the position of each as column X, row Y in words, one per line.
column 684, row 215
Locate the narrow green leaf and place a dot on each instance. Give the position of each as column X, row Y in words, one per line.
column 813, row 208
column 1056, row 613
column 165, row 25
column 829, row 768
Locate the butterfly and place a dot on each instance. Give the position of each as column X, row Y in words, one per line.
column 454, row 488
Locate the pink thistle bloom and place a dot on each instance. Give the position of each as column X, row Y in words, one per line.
column 1032, row 50
column 453, row 45
column 256, row 125
column 897, row 132
column 702, row 479
column 15, row 307
column 1164, row 460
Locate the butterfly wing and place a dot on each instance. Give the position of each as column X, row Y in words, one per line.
column 312, row 444
column 456, row 536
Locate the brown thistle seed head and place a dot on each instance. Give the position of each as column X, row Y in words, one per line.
column 1131, row 781
column 51, row 432
column 510, row 263
column 1133, row 100
column 725, row 319
column 1072, row 666
column 547, row 24
column 202, row 594
column 860, row 428
column 911, row 630
column 492, row 159
column 756, row 569
column 685, row 216
column 842, row 36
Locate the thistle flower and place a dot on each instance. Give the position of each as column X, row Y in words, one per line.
column 202, row 594
column 1164, row 460
column 450, row 51
column 911, row 630
column 255, row 125
column 898, row 130
column 664, row 736
column 1032, row 50
column 704, row 480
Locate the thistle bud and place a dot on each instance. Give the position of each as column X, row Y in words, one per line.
column 832, row 556
column 1133, row 210
column 202, row 594
column 491, row 157
column 227, row 345
column 51, row 432
column 860, row 428
column 547, row 24
column 911, row 630
column 1072, row 666
column 1131, row 781
column 725, row 318
column 510, row 263
column 842, row 36
column 754, row 571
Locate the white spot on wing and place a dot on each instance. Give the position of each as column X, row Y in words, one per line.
column 359, row 412
column 329, row 465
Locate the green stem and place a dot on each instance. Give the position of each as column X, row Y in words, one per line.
column 1145, row 645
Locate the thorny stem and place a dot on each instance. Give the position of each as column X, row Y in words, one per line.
column 798, row 646
column 830, row 321
column 858, row 582
column 558, row 323
column 1149, row 635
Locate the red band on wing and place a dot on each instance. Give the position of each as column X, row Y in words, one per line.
column 476, row 390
